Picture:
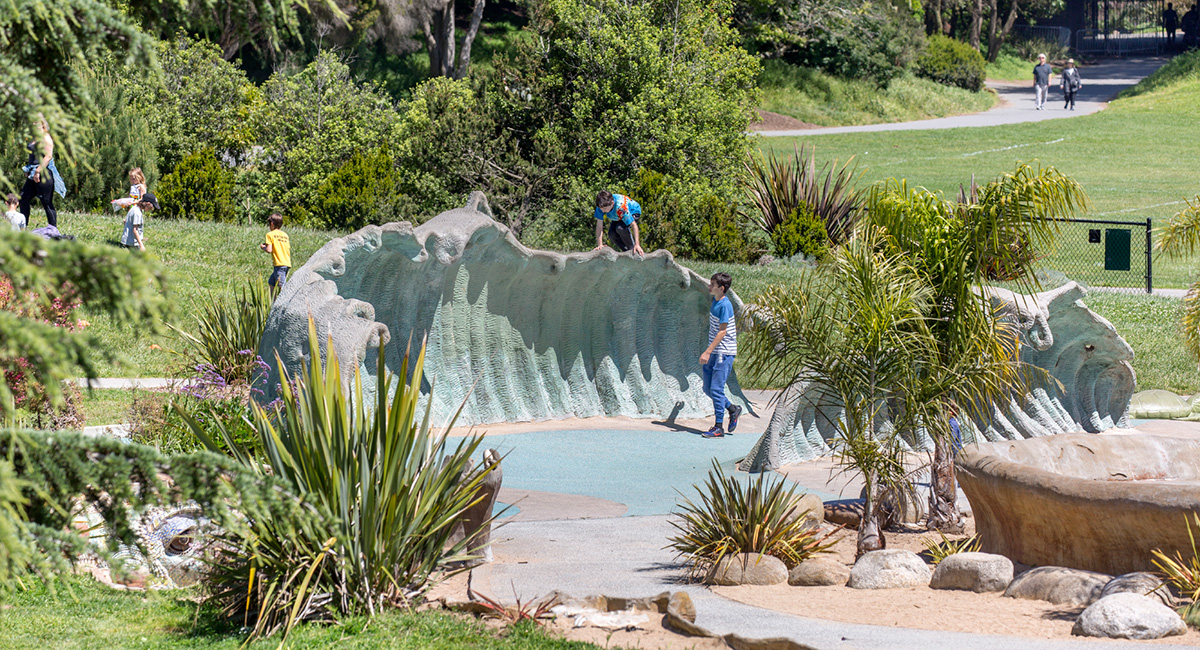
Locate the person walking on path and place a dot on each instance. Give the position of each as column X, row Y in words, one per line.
column 1041, row 82
column 42, row 179
column 1170, row 21
column 716, row 362
column 622, row 213
column 280, row 249
column 1071, row 84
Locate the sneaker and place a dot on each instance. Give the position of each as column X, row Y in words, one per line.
column 717, row 431
column 735, row 412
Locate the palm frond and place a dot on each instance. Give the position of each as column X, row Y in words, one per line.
column 1181, row 235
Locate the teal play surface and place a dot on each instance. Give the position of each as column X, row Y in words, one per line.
column 641, row 469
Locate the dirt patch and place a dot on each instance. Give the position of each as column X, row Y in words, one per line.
column 920, row 607
column 768, row 121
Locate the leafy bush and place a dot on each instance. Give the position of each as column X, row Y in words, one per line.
column 362, row 191
column 201, row 101
column 733, row 518
column 389, row 490
column 114, row 138
column 700, row 227
column 875, row 39
column 720, row 238
column 952, row 63
column 777, row 188
column 199, row 188
column 801, row 232
column 227, row 334
column 944, row 547
column 309, row 124
column 155, row 420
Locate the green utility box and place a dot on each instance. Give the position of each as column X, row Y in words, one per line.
column 1116, row 249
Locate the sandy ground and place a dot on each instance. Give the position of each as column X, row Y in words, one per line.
column 923, row 608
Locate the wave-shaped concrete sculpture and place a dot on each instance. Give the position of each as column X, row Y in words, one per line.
column 1081, row 350
column 519, row 334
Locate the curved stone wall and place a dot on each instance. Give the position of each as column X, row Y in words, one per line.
column 1100, row 503
column 519, row 334
column 1090, row 385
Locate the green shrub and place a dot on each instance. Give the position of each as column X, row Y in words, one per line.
column 362, row 191
column 200, row 188
column 744, row 517
column 801, row 232
column 777, row 187
column 388, row 487
column 942, row 548
column 721, row 238
column 114, row 139
column 952, row 63
column 227, row 335
column 697, row 226
column 155, row 421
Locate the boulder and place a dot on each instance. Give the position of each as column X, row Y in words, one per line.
column 748, row 569
column 978, row 572
column 1128, row 616
column 1058, row 585
column 844, row 512
column 1146, row 584
column 818, row 572
column 889, row 569
column 811, row 504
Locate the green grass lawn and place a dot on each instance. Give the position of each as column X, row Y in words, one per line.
column 106, row 406
column 201, row 260
column 1008, row 67
column 90, row 616
column 818, row 98
column 1135, row 159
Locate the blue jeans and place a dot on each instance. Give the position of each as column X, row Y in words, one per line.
column 716, row 373
column 278, row 276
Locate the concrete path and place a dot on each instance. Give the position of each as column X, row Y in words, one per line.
column 108, row 383
column 1101, row 82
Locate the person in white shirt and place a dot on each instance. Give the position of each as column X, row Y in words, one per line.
column 12, row 205
column 134, row 222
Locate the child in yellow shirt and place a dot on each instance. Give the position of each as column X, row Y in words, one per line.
column 280, row 248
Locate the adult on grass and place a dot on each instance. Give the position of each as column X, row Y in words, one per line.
column 622, row 213
column 1170, row 21
column 1041, row 82
column 42, row 179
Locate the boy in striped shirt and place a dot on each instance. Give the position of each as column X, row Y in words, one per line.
column 717, row 360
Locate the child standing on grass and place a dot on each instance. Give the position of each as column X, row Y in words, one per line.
column 717, row 360
column 12, row 204
column 134, row 221
column 280, row 248
column 137, row 183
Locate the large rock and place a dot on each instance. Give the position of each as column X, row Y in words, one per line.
column 978, row 572
column 810, row 505
column 844, row 512
column 1088, row 388
column 513, row 334
column 749, row 569
column 889, row 569
column 1146, row 584
column 818, row 572
column 1100, row 503
column 1129, row 616
column 1058, row 585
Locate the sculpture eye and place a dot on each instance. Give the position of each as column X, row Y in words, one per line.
column 1089, row 347
column 180, row 543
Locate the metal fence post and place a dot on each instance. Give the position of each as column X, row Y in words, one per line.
column 1149, row 260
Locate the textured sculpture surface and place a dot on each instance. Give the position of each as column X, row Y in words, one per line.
column 1090, row 391
column 1100, row 503
column 519, row 334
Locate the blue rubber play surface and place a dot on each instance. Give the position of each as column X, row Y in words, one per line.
column 641, row 469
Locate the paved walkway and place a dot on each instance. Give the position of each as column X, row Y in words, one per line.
column 1101, row 82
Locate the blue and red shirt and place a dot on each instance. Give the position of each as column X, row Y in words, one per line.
column 624, row 209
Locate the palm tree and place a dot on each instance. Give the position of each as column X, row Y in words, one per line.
column 1181, row 237
column 855, row 328
column 994, row 231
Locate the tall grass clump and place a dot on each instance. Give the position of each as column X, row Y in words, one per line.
column 388, row 490
column 732, row 518
column 778, row 186
column 1183, row 573
column 228, row 331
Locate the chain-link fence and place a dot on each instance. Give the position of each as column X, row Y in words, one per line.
column 1103, row 253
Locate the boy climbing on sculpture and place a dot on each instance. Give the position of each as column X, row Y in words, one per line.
column 622, row 213
column 717, row 359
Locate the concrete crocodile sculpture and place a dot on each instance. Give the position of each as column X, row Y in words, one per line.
column 513, row 334
column 1090, row 391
